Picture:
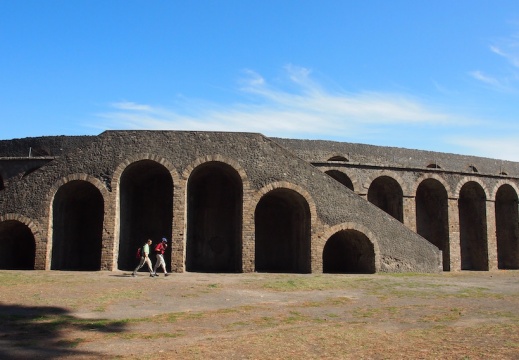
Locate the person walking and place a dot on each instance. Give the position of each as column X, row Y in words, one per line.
column 159, row 252
column 145, row 258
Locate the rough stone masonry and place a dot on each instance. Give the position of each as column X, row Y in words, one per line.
column 242, row 202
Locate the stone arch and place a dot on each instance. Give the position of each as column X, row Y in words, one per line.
column 341, row 177
column 127, row 254
column 214, row 216
column 76, row 223
column 473, row 226
column 386, row 193
column 432, row 215
column 283, row 222
column 507, row 227
column 414, row 188
column 391, row 174
column 350, row 248
column 498, row 185
column 218, row 158
column 338, row 157
column 18, row 233
column 116, row 178
column 144, row 206
column 467, row 179
column 433, row 166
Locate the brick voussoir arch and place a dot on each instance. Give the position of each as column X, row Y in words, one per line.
column 35, row 229
column 353, row 179
column 330, row 231
column 218, row 158
column 437, row 177
column 498, row 185
column 74, row 177
column 392, row 174
column 31, row 224
column 105, row 193
column 287, row 185
column 467, row 179
column 116, row 178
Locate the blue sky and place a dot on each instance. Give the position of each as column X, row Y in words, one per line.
column 438, row 75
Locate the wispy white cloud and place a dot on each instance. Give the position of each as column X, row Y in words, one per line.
column 505, row 147
column 489, row 80
column 301, row 109
column 507, row 49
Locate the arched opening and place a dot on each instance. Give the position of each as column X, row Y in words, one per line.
column 341, row 177
column 507, row 228
column 473, row 227
column 17, row 246
column 432, row 216
column 78, row 211
column 1, row 183
column 434, row 166
column 214, row 219
column 146, row 210
column 386, row 193
column 338, row 158
column 349, row 251
column 282, row 232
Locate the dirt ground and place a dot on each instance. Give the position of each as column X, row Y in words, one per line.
column 92, row 315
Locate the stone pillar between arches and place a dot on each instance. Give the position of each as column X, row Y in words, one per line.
column 491, row 235
column 410, row 212
column 454, row 235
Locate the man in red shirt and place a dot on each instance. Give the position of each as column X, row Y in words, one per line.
column 159, row 252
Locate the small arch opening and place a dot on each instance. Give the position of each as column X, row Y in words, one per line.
column 338, row 158
column 341, row 177
column 17, row 246
column 434, row 166
column 472, row 168
column 349, row 251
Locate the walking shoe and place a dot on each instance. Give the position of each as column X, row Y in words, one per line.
column 133, row 275
column 151, row 275
column 166, row 274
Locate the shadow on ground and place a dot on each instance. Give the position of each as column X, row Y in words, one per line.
column 44, row 332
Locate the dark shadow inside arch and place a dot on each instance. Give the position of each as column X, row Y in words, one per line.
column 385, row 193
column 507, row 228
column 78, row 211
column 432, row 216
column 349, row 251
column 473, row 227
column 146, row 211
column 1, row 183
column 282, row 232
column 341, row 177
column 214, row 219
column 17, row 246
column 338, row 158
